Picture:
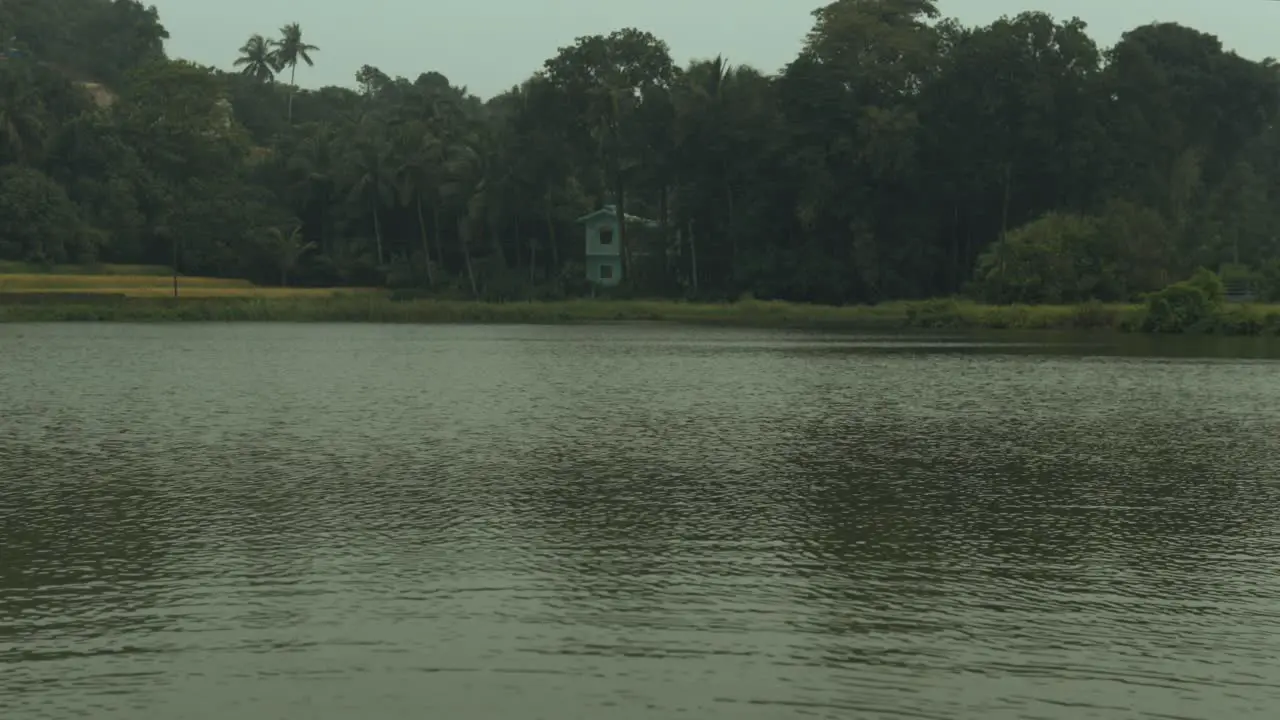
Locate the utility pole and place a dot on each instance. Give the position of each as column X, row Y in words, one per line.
column 175, row 266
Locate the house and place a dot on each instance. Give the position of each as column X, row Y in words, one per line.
column 1240, row 284
column 604, row 245
column 1240, row 290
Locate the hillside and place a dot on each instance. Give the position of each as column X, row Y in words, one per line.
column 87, row 40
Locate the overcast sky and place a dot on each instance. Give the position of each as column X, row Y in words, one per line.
column 490, row 45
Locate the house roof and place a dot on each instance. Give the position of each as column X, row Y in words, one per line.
column 611, row 210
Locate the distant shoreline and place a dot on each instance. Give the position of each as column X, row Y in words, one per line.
column 380, row 308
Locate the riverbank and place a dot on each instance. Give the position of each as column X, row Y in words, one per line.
column 376, row 308
column 366, row 307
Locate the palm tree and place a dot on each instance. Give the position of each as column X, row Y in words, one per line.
column 289, row 49
column 371, row 177
column 416, row 176
column 286, row 249
column 706, row 146
column 257, row 59
column 466, row 186
column 311, row 172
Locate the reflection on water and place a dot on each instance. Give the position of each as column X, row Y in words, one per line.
column 275, row 521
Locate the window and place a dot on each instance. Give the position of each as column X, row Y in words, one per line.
column 606, row 272
column 606, row 236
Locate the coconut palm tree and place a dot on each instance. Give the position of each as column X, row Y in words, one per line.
column 258, row 59
column 289, row 49
column 418, row 176
column 286, row 248
column 370, row 180
column 312, row 176
column 467, row 187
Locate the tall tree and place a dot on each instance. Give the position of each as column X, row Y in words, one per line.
column 289, row 51
column 370, row 177
column 258, row 59
column 22, row 129
column 285, row 249
column 609, row 78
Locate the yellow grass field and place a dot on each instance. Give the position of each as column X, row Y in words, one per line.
column 154, row 286
column 10, row 267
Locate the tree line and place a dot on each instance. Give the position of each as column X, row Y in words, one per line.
column 901, row 154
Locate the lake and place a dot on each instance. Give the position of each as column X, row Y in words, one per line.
column 634, row 521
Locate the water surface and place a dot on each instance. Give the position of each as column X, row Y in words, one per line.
column 337, row 521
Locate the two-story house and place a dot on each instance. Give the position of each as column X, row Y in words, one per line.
column 604, row 244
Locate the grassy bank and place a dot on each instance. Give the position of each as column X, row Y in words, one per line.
column 370, row 307
column 1236, row 319
column 260, row 304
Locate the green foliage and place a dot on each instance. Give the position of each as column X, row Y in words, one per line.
column 1136, row 246
column 88, row 39
column 1208, row 283
column 1177, row 308
column 900, row 155
column 258, row 60
column 1269, row 281
column 408, row 307
column 1185, row 305
column 1070, row 258
column 1241, row 319
column 38, row 222
column 1037, row 262
column 957, row 314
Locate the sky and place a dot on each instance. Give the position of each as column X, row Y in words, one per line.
column 491, row 45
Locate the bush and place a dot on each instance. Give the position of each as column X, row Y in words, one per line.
column 1210, row 284
column 934, row 313
column 1034, row 263
column 1061, row 258
column 1184, row 305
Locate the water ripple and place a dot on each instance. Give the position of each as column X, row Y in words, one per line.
column 622, row 522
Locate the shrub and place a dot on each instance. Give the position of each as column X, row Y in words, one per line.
column 1035, row 263
column 935, row 313
column 1060, row 258
column 1209, row 283
column 1184, row 305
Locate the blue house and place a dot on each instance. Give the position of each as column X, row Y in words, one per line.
column 604, row 244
